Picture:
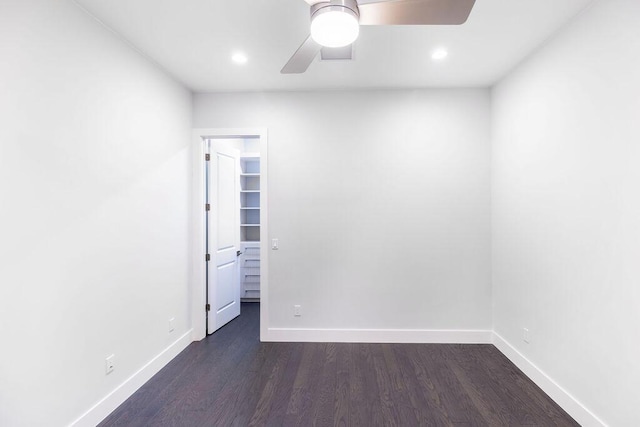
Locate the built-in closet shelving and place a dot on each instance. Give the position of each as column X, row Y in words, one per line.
column 250, row 225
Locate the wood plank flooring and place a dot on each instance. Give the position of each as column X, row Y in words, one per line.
column 231, row 379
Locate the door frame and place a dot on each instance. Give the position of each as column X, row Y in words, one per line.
column 197, row 279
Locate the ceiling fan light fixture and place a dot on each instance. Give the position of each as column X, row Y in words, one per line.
column 335, row 24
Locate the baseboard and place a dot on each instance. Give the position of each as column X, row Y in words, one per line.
column 114, row 399
column 421, row 336
column 566, row 401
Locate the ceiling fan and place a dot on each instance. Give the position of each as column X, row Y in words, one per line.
column 336, row 23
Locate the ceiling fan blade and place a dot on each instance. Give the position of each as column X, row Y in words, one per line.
column 416, row 12
column 303, row 57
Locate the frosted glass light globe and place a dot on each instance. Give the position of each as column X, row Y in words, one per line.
column 335, row 28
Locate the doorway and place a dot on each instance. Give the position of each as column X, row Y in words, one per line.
column 231, row 180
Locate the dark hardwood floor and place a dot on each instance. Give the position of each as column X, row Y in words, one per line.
column 231, row 379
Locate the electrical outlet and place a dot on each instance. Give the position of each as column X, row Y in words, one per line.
column 297, row 312
column 525, row 335
column 110, row 364
column 172, row 324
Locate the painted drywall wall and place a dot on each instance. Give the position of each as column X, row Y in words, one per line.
column 380, row 201
column 94, row 211
column 566, row 209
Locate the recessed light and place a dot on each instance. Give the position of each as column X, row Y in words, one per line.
column 439, row 54
column 239, row 58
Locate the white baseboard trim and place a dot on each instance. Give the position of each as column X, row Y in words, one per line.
column 566, row 401
column 109, row 403
column 418, row 336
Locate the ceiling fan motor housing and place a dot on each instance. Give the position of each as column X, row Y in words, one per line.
column 348, row 6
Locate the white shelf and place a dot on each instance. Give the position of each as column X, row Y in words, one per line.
column 249, row 191
column 249, row 225
column 257, row 175
column 249, row 207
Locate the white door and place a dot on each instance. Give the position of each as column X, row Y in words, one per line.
column 223, row 290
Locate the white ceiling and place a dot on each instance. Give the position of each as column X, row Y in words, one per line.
column 194, row 40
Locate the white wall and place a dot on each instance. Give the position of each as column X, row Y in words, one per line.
column 566, row 209
column 93, row 211
column 380, row 200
